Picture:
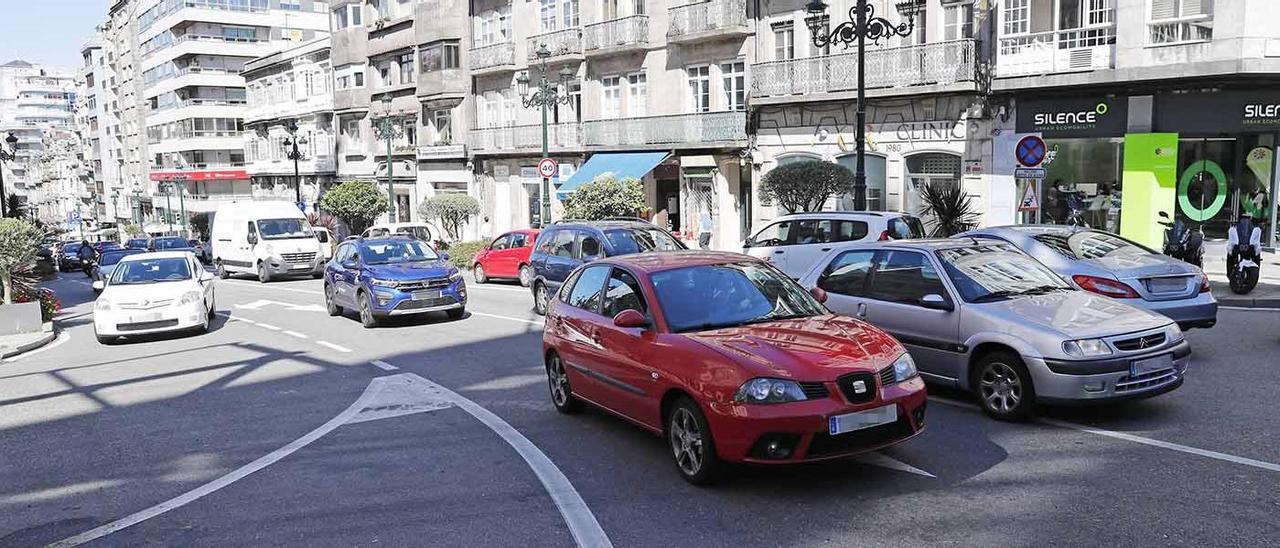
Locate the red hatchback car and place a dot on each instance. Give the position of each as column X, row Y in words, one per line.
column 507, row 257
column 728, row 359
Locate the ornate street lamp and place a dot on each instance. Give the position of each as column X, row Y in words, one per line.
column 6, row 156
column 291, row 152
column 548, row 94
column 388, row 129
column 181, row 178
column 862, row 24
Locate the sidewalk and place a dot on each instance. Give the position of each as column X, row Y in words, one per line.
column 1265, row 295
column 12, row 345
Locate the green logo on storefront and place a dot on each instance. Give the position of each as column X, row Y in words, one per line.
column 1184, row 185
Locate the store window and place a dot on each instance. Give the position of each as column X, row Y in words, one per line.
column 1081, row 184
column 925, row 169
column 874, row 166
column 1221, row 179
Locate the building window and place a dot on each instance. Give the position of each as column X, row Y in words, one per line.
column 1099, row 12
column 610, row 10
column 959, row 21
column 351, row 131
column 638, row 7
column 509, row 107
column 357, row 78
column 411, row 131
column 406, row 67
column 1176, row 21
column 384, row 73
column 699, row 89
column 291, row 5
column 547, row 14
column 349, row 15
column 920, row 35
column 440, row 56
column 309, row 83
column 637, row 95
column 443, row 122
column 611, row 102
column 734, row 77
column 784, row 41
column 1017, row 17
column 569, row 9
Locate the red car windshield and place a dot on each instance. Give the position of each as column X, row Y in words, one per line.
column 699, row 298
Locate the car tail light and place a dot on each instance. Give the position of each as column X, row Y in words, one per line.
column 1204, row 283
column 884, row 235
column 1105, row 287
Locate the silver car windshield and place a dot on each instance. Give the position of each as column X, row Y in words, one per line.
column 1087, row 244
column 993, row 272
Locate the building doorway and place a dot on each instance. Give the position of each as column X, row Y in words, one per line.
column 669, row 204
column 925, row 169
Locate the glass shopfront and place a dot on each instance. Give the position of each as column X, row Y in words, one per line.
column 1081, row 184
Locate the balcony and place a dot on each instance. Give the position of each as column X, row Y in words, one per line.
column 442, row 152
column 1057, row 51
column 942, row 63
column 729, row 128
column 616, row 35
column 493, row 58
column 525, row 138
column 700, row 20
column 566, row 43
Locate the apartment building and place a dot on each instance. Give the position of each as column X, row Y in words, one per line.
column 290, row 96
column 1144, row 105
column 34, row 100
column 126, row 144
column 192, row 95
column 94, row 120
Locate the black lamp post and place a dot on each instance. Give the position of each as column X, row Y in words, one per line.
column 387, row 128
column 862, row 24
column 547, row 95
column 291, row 152
column 6, row 156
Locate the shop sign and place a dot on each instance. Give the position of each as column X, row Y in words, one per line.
column 202, row 175
column 1073, row 117
column 973, row 167
column 912, row 132
column 1218, row 112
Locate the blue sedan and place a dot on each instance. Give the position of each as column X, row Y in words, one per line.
column 393, row 276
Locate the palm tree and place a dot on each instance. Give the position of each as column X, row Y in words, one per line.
column 948, row 208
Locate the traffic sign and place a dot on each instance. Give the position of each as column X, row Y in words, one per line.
column 1028, row 173
column 1030, row 151
column 1030, row 198
column 547, row 168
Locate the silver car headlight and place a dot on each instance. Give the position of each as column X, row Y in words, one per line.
column 1086, row 348
column 1173, row 334
column 764, row 390
column 904, row 368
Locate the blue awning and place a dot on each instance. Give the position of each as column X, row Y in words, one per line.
column 623, row 165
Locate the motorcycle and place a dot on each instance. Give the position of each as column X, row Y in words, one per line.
column 1183, row 242
column 1244, row 255
column 88, row 265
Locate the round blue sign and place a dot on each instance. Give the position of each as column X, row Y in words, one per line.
column 1030, row 151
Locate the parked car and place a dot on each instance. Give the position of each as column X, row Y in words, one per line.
column 170, row 243
column 562, row 247
column 423, row 231
column 982, row 316
column 69, row 257
column 101, row 247
column 392, row 276
column 326, row 240
column 270, row 239
column 108, row 261
column 151, row 293
column 729, row 360
column 507, row 257
column 200, row 250
column 137, row 243
column 1112, row 266
column 793, row 243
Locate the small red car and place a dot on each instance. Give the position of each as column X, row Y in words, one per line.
column 507, row 257
column 729, row 360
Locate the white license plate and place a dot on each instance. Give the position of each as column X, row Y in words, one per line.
column 300, row 267
column 841, row 424
column 1148, row 365
column 145, row 318
column 426, row 295
column 1166, row 285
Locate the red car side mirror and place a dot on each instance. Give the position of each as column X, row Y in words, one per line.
column 819, row 294
column 630, row 319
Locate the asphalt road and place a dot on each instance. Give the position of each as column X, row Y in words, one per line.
column 317, row 432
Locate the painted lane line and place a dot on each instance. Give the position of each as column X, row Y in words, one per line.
column 332, row 346
column 1216, row 455
column 582, row 523
column 525, row 320
column 384, row 365
column 268, row 326
column 62, row 339
column 295, row 334
column 240, row 473
column 490, row 287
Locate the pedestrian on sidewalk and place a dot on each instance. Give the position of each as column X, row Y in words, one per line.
column 704, row 230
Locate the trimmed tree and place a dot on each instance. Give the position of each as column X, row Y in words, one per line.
column 132, row 230
column 355, row 202
column 806, row 186
column 18, row 241
column 605, row 197
column 200, row 223
column 453, row 210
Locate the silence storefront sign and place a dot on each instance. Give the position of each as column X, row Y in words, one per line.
column 1073, row 116
column 1221, row 112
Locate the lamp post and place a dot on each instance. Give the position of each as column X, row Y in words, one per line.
column 167, row 189
column 388, row 129
column 137, row 202
column 6, row 156
column 291, row 152
column 182, row 208
column 862, row 24
column 115, row 206
column 547, row 95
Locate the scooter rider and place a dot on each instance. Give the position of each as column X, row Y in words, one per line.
column 88, row 255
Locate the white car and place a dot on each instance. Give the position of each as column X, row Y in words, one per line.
column 153, row 293
column 793, row 243
column 423, row 231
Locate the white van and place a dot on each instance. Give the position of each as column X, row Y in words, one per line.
column 269, row 239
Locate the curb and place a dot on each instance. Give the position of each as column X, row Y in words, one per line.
column 47, row 335
column 1245, row 302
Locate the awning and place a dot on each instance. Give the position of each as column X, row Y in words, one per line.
column 623, row 165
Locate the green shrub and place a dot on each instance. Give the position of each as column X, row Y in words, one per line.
column 806, row 186
column 18, row 244
column 452, row 209
column 356, row 203
column 605, row 197
column 463, row 254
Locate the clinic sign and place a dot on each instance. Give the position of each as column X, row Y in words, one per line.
column 1073, row 116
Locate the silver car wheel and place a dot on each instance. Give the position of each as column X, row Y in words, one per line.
column 1001, row 388
column 558, row 381
column 686, row 441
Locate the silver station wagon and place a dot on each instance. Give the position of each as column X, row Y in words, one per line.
column 982, row 316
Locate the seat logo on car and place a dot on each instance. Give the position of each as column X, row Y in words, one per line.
column 859, row 387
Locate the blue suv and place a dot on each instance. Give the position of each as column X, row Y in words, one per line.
column 392, row 276
column 565, row 245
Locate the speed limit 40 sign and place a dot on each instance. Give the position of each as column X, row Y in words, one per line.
column 547, row 168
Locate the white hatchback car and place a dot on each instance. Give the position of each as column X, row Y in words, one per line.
column 794, row 242
column 152, row 293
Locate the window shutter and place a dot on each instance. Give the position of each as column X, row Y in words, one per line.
column 1164, row 9
column 1197, row 7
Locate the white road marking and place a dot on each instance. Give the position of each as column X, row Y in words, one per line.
column 62, row 339
column 273, row 287
column 332, row 346
column 258, row 304
column 528, row 321
column 885, row 461
column 495, row 288
column 403, row 394
column 295, row 334
column 384, row 365
column 268, row 326
column 248, row 321
column 1216, row 455
column 240, row 473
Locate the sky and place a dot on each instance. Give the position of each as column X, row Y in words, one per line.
column 48, row 31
